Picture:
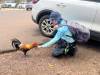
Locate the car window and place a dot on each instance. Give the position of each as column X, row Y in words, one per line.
column 93, row 0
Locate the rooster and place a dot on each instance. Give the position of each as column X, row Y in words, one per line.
column 23, row 47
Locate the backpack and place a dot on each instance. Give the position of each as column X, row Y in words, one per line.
column 79, row 32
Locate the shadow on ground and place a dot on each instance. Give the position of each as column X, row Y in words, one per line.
column 91, row 44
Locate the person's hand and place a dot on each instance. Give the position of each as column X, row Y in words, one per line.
column 21, row 45
column 39, row 46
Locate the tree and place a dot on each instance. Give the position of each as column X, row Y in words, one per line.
column 18, row 1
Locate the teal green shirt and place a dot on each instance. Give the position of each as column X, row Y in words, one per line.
column 62, row 33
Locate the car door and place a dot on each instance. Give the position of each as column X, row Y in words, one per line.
column 96, row 24
column 81, row 11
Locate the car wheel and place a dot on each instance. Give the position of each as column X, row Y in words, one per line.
column 27, row 9
column 45, row 26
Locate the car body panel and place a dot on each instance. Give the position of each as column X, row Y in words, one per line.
column 21, row 5
column 29, row 5
column 96, row 23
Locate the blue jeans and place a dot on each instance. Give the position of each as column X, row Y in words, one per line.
column 61, row 45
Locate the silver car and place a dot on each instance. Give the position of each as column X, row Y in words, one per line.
column 22, row 5
column 8, row 5
column 85, row 12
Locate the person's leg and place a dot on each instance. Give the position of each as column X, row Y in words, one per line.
column 72, row 49
column 57, row 52
column 59, row 49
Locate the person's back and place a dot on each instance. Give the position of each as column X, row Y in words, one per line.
column 67, row 35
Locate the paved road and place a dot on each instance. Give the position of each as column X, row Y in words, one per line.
column 18, row 24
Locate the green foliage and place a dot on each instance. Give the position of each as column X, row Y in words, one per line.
column 18, row 1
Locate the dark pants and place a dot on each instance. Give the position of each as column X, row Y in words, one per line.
column 61, row 45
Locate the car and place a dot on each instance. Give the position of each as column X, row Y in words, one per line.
column 22, row 5
column 9, row 5
column 29, row 6
column 84, row 12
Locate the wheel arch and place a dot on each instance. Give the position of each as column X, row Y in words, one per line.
column 42, row 13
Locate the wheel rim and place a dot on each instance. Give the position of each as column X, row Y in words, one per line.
column 46, row 27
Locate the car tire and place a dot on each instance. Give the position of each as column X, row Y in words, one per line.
column 45, row 27
column 27, row 9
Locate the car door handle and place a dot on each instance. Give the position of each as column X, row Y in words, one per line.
column 61, row 5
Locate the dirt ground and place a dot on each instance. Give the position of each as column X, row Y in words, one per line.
column 18, row 24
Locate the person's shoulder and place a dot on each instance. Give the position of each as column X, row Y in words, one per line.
column 63, row 22
column 63, row 28
column 60, row 29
